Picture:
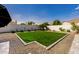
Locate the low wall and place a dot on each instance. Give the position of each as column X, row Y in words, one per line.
column 57, row 27
column 18, row 28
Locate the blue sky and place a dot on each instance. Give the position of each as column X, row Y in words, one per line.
column 42, row 12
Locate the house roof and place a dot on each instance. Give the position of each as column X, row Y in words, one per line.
column 76, row 20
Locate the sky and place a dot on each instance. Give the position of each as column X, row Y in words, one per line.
column 42, row 12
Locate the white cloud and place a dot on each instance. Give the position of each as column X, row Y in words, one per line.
column 18, row 17
column 23, row 18
column 75, row 13
column 77, row 8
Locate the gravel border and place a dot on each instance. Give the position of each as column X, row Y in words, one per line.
column 42, row 44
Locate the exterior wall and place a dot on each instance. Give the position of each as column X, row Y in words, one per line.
column 78, row 24
column 65, row 25
column 18, row 28
column 54, row 28
column 13, row 26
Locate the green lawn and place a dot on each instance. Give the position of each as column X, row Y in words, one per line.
column 45, row 38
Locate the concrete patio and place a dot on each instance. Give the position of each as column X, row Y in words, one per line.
column 4, row 47
column 75, row 45
column 17, row 47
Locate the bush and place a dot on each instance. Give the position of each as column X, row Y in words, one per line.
column 43, row 26
column 61, row 29
column 12, row 31
column 75, row 27
column 77, row 31
column 68, row 30
column 54, row 31
column 28, row 30
column 21, row 30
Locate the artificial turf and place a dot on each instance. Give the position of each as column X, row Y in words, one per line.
column 45, row 38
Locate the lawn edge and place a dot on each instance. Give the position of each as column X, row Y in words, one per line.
column 29, row 42
column 22, row 40
column 53, row 44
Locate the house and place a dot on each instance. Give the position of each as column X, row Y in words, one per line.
column 65, row 25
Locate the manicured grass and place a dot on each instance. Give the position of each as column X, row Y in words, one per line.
column 45, row 38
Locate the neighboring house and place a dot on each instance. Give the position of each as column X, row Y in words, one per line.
column 78, row 24
column 54, row 27
column 65, row 25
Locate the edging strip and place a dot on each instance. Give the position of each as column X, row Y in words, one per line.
column 29, row 42
column 23, row 41
column 56, row 42
column 20, row 39
column 42, row 44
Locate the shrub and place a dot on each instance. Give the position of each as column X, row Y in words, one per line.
column 61, row 29
column 12, row 31
column 21, row 30
column 43, row 26
column 54, row 31
column 28, row 30
column 75, row 27
column 77, row 31
column 68, row 30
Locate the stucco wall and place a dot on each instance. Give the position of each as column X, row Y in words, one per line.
column 18, row 28
column 65, row 26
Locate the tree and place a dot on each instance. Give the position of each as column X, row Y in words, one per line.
column 43, row 26
column 57, row 22
column 22, row 24
column 75, row 27
column 61, row 29
column 31, row 23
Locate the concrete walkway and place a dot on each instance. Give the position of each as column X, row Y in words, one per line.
column 4, row 47
column 63, row 46
column 17, row 47
column 75, row 45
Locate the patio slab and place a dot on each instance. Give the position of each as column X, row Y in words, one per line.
column 75, row 45
column 4, row 47
column 17, row 47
